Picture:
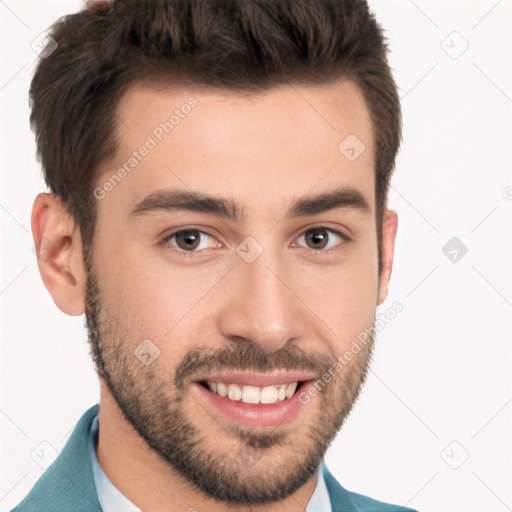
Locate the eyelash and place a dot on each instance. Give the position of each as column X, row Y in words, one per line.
column 195, row 253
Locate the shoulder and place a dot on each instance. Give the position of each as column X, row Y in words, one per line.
column 343, row 500
column 68, row 484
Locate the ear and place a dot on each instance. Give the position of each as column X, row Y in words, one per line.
column 389, row 229
column 58, row 246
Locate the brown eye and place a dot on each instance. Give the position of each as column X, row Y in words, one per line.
column 318, row 238
column 190, row 241
column 321, row 238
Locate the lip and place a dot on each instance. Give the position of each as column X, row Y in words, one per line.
column 256, row 379
column 251, row 415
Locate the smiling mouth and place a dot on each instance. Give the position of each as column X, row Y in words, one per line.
column 250, row 394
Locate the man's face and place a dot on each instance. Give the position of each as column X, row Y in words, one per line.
column 178, row 299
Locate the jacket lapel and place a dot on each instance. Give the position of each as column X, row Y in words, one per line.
column 68, row 484
column 340, row 498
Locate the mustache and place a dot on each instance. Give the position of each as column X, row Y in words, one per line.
column 245, row 355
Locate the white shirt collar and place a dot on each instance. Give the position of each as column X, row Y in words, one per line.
column 320, row 500
column 111, row 499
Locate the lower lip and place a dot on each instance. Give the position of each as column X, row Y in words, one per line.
column 252, row 415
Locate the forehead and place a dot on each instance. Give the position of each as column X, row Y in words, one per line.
column 284, row 141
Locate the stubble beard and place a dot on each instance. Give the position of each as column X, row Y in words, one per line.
column 258, row 468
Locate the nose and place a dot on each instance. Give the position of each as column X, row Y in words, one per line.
column 261, row 305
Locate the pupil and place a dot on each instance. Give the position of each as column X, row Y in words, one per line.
column 318, row 236
column 191, row 239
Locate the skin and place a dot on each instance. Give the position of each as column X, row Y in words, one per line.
column 292, row 306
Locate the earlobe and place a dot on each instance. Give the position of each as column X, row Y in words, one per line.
column 58, row 246
column 389, row 230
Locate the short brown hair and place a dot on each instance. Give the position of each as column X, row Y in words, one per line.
column 237, row 46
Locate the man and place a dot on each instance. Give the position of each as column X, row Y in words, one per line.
column 218, row 210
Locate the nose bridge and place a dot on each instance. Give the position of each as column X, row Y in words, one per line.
column 260, row 305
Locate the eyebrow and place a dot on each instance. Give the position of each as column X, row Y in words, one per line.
column 226, row 208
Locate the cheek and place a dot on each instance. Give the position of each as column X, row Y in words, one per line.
column 349, row 307
column 153, row 299
column 348, row 301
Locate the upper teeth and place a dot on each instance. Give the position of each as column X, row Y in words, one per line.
column 254, row 394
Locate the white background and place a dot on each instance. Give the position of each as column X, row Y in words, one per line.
column 440, row 389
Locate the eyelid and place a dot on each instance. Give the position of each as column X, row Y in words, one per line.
column 336, row 232
column 167, row 238
column 345, row 238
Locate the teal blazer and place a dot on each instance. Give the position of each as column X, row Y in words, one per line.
column 68, row 484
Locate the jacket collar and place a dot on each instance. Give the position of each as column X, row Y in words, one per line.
column 75, row 490
column 68, row 484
